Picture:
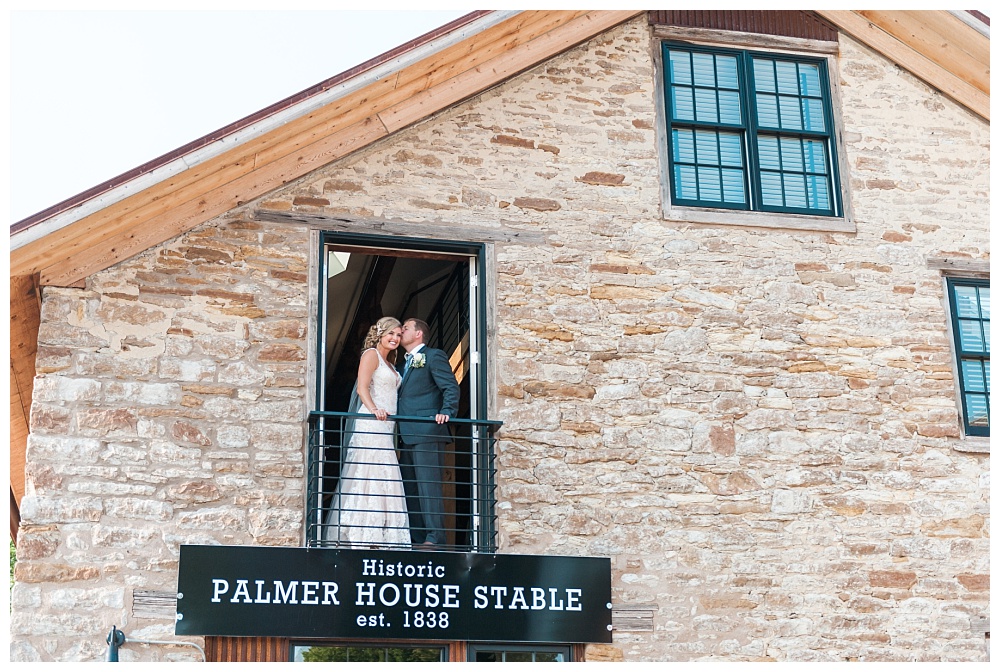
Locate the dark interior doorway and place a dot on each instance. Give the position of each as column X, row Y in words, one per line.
column 364, row 284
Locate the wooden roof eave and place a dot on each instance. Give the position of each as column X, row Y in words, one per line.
column 345, row 125
column 934, row 45
column 24, row 321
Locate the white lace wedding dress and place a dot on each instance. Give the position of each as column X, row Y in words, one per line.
column 369, row 506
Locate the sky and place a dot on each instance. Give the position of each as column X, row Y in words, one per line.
column 95, row 93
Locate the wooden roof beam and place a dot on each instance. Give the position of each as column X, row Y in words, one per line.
column 107, row 250
column 25, row 316
column 944, row 39
column 908, row 58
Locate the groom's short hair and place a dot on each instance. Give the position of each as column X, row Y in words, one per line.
column 419, row 325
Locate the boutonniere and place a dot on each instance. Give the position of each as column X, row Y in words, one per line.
column 419, row 360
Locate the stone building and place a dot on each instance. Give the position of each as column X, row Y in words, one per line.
column 738, row 344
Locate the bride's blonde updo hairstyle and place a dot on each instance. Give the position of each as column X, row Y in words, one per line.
column 378, row 330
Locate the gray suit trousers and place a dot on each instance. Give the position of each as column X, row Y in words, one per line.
column 423, row 473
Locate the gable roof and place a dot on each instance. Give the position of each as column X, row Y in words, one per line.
column 68, row 242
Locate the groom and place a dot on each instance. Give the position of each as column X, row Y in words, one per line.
column 429, row 389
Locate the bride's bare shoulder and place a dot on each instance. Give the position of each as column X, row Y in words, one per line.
column 370, row 356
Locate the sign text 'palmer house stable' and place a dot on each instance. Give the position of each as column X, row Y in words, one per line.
column 252, row 591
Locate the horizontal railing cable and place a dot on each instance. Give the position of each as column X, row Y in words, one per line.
column 360, row 484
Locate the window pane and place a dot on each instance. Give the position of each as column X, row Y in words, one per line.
column 804, row 180
column 791, row 113
column 970, row 336
column 680, row 67
column 787, row 77
column 795, row 190
column 763, row 75
column 809, row 81
column 767, row 149
column 818, row 192
column 520, row 654
column 727, row 73
column 814, row 153
column 686, row 182
column 706, row 105
column 973, row 375
column 731, row 149
column 812, row 115
column 682, row 104
column 978, row 410
column 970, row 300
column 966, row 301
column 767, row 111
column 790, row 172
column 683, row 145
column 416, row 655
column 708, row 151
column 365, row 654
column 801, row 102
column 704, row 69
column 732, row 187
column 791, row 154
column 771, row 191
column 320, row 654
column 368, row 655
column 707, row 145
column 709, row 184
column 729, row 107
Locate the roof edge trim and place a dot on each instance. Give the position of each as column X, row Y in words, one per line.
column 974, row 19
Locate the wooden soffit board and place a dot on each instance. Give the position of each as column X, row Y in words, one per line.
column 24, row 320
column 265, row 163
column 933, row 45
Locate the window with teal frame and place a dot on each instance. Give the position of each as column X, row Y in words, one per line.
column 970, row 322
column 750, row 131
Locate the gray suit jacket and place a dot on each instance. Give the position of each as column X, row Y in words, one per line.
column 427, row 391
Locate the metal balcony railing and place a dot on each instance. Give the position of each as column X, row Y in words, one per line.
column 355, row 501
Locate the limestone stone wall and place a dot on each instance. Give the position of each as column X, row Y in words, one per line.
column 168, row 409
column 758, row 426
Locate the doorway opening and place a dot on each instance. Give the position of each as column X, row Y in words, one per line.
column 364, row 278
column 365, row 284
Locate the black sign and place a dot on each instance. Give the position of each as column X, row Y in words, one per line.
column 254, row 591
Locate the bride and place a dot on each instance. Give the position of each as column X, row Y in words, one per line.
column 369, row 506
